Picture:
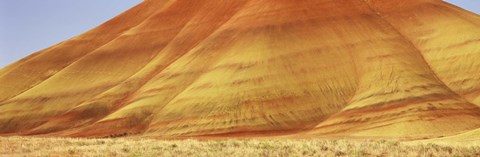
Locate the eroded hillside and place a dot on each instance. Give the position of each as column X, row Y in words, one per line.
column 170, row 68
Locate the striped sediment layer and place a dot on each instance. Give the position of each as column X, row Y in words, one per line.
column 176, row 68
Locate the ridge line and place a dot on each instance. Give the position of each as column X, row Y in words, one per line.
column 418, row 51
column 150, row 75
column 190, row 51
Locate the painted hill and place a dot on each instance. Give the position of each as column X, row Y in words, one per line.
column 170, row 68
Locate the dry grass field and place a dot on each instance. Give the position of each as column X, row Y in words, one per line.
column 61, row 147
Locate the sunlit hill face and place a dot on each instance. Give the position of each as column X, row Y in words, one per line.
column 250, row 68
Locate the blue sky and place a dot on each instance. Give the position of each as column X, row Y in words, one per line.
column 27, row 26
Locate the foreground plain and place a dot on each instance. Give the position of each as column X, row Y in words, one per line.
column 46, row 147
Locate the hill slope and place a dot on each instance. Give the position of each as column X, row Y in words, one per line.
column 253, row 68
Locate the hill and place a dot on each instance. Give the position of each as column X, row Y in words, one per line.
column 180, row 68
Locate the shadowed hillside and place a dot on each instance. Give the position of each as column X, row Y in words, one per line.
column 176, row 68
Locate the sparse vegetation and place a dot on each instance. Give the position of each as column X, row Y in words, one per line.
column 46, row 147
